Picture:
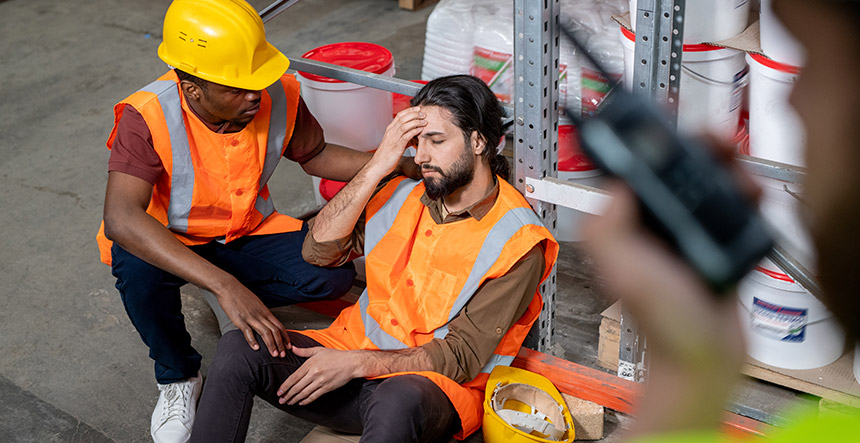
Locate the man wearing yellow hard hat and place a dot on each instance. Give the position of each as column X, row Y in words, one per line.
column 187, row 201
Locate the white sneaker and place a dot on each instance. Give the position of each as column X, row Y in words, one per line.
column 174, row 412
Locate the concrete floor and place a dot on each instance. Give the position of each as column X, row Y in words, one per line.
column 72, row 366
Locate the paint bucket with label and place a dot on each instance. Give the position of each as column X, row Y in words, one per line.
column 709, row 20
column 575, row 167
column 786, row 326
column 711, row 90
column 351, row 115
column 776, row 131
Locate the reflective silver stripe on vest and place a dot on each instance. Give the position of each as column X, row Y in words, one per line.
column 381, row 222
column 513, row 220
column 182, row 174
column 491, row 249
column 275, row 143
column 497, row 360
column 373, row 331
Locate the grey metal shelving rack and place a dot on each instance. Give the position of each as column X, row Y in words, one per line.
column 535, row 121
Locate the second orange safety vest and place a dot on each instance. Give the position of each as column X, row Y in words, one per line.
column 421, row 274
column 214, row 185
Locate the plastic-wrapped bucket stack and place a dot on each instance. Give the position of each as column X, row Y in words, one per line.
column 448, row 42
column 786, row 326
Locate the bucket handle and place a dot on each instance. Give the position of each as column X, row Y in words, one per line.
column 742, row 82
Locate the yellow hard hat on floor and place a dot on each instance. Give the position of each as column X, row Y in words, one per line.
column 222, row 41
column 521, row 407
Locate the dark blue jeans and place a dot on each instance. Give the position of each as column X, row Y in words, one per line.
column 271, row 266
column 399, row 409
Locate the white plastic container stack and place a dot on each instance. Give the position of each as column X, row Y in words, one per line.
column 449, row 40
column 711, row 91
column 709, row 20
column 785, row 325
column 493, row 60
column 591, row 20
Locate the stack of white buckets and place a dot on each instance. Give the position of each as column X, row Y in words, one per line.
column 351, row 115
column 712, row 78
column 787, row 326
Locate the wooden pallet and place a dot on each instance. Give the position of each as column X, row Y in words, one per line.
column 833, row 382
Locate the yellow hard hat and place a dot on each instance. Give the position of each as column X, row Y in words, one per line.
column 222, row 41
column 521, row 407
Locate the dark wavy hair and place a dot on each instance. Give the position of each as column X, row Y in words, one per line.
column 474, row 108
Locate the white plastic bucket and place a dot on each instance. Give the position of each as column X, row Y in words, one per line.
column 575, row 167
column 776, row 131
column 709, row 20
column 776, row 42
column 711, row 90
column 351, row 115
column 785, row 326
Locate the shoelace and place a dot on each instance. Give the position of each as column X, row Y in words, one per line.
column 176, row 401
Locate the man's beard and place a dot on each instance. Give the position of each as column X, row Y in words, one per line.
column 460, row 174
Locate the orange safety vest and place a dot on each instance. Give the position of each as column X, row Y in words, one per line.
column 421, row 274
column 214, row 185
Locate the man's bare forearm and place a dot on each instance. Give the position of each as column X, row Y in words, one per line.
column 377, row 363
column 337, row 218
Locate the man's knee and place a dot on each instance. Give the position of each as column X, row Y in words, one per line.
column 410, row 396
column 235, row 358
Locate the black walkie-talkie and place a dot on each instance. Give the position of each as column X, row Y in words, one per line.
column 687, row 196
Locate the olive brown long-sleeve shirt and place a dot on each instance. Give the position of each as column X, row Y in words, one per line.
column 479, row 327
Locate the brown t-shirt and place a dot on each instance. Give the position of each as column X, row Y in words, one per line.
column 133, row 153
column 479, row 327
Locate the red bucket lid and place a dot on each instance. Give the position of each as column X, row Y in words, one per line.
column 328, row 188
column 363, row 56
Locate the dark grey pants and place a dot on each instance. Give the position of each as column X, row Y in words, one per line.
column 406, row 408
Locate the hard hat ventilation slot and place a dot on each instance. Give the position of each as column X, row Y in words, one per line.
column 202, row 43
column 183, row 36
